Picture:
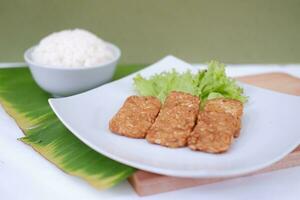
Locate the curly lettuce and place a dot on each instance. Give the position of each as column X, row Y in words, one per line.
column 160, row 85
column 207, row 84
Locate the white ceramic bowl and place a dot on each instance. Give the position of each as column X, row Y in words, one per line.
column 61, row 81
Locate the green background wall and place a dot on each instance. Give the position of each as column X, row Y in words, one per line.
column 255, row 31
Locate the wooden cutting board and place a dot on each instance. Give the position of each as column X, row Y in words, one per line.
column 146, row 183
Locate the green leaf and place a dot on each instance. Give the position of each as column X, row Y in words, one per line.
column 214, row 83
column 28, row 105
column 207, row 84
column 160, row 85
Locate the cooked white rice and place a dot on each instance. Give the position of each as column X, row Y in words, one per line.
column 71, row 49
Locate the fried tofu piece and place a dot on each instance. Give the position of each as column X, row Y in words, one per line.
column 135, row 116
column 231, row 106
column 213, row 133
column 175, row 121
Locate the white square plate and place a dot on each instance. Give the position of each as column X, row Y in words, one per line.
column 270, row 130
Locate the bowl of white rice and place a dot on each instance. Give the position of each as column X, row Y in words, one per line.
column 72, row 61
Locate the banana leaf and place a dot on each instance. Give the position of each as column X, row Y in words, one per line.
column 28, row 105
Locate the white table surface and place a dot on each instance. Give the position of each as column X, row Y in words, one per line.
column 24, row 174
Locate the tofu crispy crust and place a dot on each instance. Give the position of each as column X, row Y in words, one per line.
column 135, row 117
column 175, row 121
column 213, row 133
column 231, row 106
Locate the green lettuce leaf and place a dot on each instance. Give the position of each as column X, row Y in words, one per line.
column 214, row 83
column 207, row 84
column 160, row 85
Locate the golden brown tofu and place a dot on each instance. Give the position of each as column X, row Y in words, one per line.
column 231, row 106
column 175, row 121
column 213, row 133
column 135, row 116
